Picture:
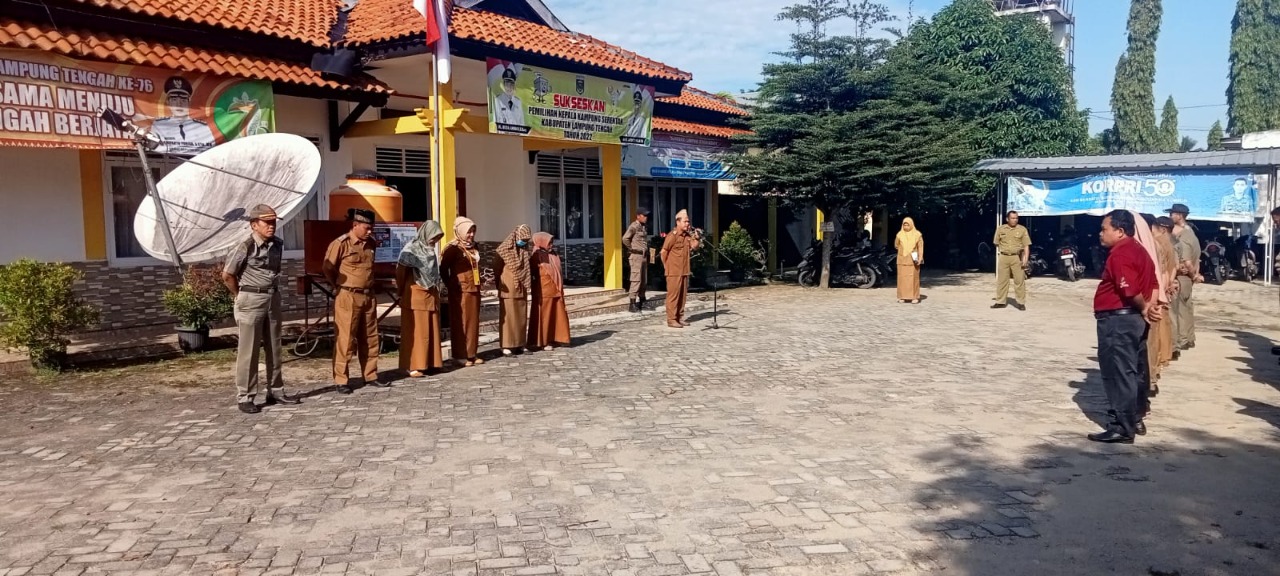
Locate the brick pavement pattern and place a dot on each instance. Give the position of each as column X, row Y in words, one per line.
column 819, row 432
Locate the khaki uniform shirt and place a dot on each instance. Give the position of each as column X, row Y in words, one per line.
column 1011, row 241
column 1188, row 247
column 349, row 263
column 256, row 262
column 676, row 250
column 635, row 241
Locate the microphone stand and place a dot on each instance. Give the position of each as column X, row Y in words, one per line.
column 715, row 296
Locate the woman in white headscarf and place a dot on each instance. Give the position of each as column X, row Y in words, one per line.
column 460, row 267
column 418, row 279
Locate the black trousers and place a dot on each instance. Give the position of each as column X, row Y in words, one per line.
column 1122, row 358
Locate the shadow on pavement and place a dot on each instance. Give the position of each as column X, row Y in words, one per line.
column 1178, row 502
column 576, row 341
column 1260, row 410
column 1258, row 361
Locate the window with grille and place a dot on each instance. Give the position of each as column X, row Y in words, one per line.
column 409, row 161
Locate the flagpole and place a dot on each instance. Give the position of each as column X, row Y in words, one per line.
column 437, row 158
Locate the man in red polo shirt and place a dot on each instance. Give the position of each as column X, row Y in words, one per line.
column 1123, row 305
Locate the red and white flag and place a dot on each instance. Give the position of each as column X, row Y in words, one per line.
column 437, row 13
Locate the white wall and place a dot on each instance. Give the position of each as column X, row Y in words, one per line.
column 310, row 117
column 501, row 185
column 43, row 216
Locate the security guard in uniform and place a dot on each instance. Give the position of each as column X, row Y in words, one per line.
column 1187, row 247
column 348, row 266
column 636, row 242
column 1013, row 248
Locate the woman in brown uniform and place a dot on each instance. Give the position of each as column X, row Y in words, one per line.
column 550, row 318
column 910, row 245
column 460, row 267
column 418, row 279
column 511, row 267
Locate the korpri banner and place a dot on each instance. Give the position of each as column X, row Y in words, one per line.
column 47, row 99
column 677, row 156
column 544, row 103
column 1220, row 195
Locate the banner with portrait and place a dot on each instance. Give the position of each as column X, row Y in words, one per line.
column 1218, row 195
column 543, row 103
column 678, row 156
column 52, row 100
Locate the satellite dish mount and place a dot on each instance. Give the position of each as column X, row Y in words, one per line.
column 143, row 141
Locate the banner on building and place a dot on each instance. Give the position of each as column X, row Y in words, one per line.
column 47, row 99
column 678, row 156
column 1221, row 195
column 543, row 103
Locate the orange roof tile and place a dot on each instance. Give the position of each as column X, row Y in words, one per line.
column 682, row 127
column 77, row 44
column 305, row 20
column 375, row 21
column 695, row 98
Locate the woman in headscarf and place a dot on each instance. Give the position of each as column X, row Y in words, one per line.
column 1144, row 236
column 511, row 267
column 910, row 245
column 460, row 267
column 418, row 279
column 1160, row 341
column 550, row 318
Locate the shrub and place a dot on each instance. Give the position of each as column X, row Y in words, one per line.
column 201, row 300
column 740, row 250
column 39, row 308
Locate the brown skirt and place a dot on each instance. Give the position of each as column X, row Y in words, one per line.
column 464, row 324
column 513, row 321
column 550, row 323
column 420, row 340
column 908, row 282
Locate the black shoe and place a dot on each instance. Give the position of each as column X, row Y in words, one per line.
column 1111, row 437
column 249, row 408
column 998, row 305
column 380, row 384
column 1020, row 306
column 1154, row 391
column 344, row 389
column 1177, row 354
column 284, row 399
column 1140, row 428
column 633, row 307
column 1275, row 350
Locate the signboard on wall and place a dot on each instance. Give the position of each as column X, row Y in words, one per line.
column 1221, row 195
column 543, row 103
column 678, row 156
column 47, row 99
column 392, row 237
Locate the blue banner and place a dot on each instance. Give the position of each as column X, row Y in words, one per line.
column 677, row 156
column 1219, row 195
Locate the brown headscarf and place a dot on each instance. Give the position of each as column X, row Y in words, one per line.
column 515, row 257
column 548, row 262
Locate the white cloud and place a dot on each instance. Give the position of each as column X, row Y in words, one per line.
column 723, row 43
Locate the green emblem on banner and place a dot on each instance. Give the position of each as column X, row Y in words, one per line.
column 244, row 109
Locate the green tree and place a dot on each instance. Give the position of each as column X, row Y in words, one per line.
column 1132, row 100
column 1169, row 138
column 1254, row 79
column 1187, row 144
column 1215, row 136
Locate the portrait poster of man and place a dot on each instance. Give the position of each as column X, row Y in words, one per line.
column 557, row 105
column 1241, row 199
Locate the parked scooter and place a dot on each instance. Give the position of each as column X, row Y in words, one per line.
column 1213, row 262
column 849, row 267
column 1036, row 263
column 1243, row 257
column 1069, row 265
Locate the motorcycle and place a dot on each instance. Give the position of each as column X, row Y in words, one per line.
column 1069, row 264
column 1036, row 264
column 850, row 266
column 1213, row 263
column 1243, row 257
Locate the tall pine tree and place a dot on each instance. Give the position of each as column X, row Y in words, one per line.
column 1215, row 136
column 1132, row 100
column 1169, row 139
column 1254, row 86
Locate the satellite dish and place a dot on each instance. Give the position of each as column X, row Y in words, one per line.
column 206, row 198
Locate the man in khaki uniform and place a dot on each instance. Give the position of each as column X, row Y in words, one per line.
column 1013, row 248
column 348, row 266
column 1187, row 246
column 677, row 250
column 636, row 242
column 251, row 273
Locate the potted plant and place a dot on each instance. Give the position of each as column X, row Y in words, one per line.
column 39, row 308
column 201, row 300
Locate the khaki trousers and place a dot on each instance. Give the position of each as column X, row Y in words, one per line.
column 677, row 293
column 639, row 276
column 258, row 320
column 355, row 321
column 1010, row 268
column 1184, row 315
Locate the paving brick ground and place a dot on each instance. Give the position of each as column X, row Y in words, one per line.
column 817, row 433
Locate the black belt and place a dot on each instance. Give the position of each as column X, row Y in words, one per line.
column 637, row 252
column 256, row 290
column 356, row 290
column 1110, row 313
column 1010, row 253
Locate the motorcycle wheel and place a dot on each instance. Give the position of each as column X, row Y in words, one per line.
column 1248, row 267
column 1219, row 274
column 808, row 278
column 1071, row 273
column 868, row 277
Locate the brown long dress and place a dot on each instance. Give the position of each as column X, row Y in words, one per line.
column 908, row 269
column 458, row 267
column 511, row 267
column 1160, row 336
column 419, row 324
column 549, row 317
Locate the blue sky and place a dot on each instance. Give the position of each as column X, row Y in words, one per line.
column 724, row 42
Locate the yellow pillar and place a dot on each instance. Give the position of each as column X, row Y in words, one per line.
column 91, row 205
column 818, row 225
column 611, row 167
column 444, row 162
column 773, row 236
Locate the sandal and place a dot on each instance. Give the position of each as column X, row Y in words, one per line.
column 476, row 361
column 416, row 374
